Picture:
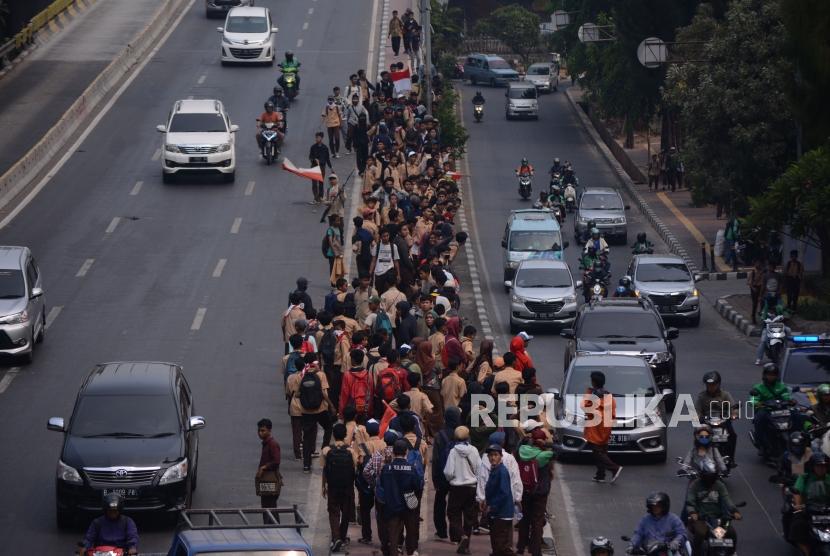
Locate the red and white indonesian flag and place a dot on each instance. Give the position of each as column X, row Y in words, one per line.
column 455, row 176
column 308, row 173
column 402, row 80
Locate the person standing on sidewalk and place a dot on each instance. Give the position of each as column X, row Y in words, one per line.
column 269, row 459
column 671, row 169
column 536, row 471
column 460, row 471
column 338, row 463
column 793, row 276
column 442, row 444
column 315, row 405
column 396, row 32
column 333, row 120
column 399, row 491
column 498, row 504
column 654, row 172
column 597, row 430
column 318, row 155
column 755, row 281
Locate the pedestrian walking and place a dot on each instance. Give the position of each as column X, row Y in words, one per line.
column 334, row 251
column 332, row 117
column 408, row 20
column 597, row 431
column 268, row 472
column 460, row 471
column 338, row 463
column 442, row 444
column 680, row 170
column 385, row 266
column 671, row 169
column 401, row 485
column 793, row 276
column 296, row 361
column 318, row 155
column 772, row 290
column 396, row 32
column 315, row 405
column 654, row 172
column 290, row 317
column 755, row 281
column 498, row 504
column 536, row 470
column 358, row 388
column 366, row 488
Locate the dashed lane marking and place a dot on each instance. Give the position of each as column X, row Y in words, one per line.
column 311, row 11
column 113, row 224
column 199, row 318
column 8, row 378
column 220, row 266
column 305, row 26
column 202, row 79
column 156, row 154
column 249, row 189
column 84, row 268
column 299, row 43
column 237, row 222
column 136, row 188
column 52, row 315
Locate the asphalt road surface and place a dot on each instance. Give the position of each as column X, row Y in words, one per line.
column 585, row 509
column 154, row 270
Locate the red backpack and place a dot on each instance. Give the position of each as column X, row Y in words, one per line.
column 359, row 392
column 389, row 386
column 529, row 474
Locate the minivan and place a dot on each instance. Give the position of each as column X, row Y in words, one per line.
column 530, row 233
column 248, row 36
column 544, row 292
column 489, row 69
column 22, row 308
column 669, row 284
column 521, row 100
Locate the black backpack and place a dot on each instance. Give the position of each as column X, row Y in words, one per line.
column 311, row 391
column 349, row 306
column 363, row 486
column 328, row 345
column 339, row 470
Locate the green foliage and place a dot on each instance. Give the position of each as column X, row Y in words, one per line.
column 515, row 26
column 800, row 199
column 4, row 17
column 814, row 309
column 447, row 28
column 452, row 132
column 446, row 64
column 739, row 131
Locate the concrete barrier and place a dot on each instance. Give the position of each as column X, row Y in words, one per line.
column 64, row 131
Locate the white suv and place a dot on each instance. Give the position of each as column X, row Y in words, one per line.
column 198, row 137
column 248, row 36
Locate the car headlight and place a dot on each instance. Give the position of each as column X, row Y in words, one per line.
column 172, row 148
column 516, row 299
column 174, row 473
column 224, row 147
column 824, row 536
column 512, row 264
column 694, row 293
column 226, row 40
column 661, row 357
column 569, row 299
column 69, row 474
column 17, row 318
column 619, row 220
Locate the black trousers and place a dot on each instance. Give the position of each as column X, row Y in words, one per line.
column 501, row 537
column 383, row 530
column 396, row 45
column 297, row 435
column 602, row 461
column 532, row 524
column 462, row 510
column 362, row 152
column 367, row 502
column 439, row 509
column 310, row 422
column 408, row 521
column 334, row 139
column 340, row 507
column 335, row 377
column 653, row 180
column 755, row 295
column 793, row 287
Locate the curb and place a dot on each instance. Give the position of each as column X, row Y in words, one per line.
column 39, row 156
column 663, row 231
column 743, row 324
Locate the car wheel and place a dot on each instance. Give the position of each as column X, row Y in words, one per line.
column 42, row 333
column 64, row 519
column 229, row 178
column 167, row 178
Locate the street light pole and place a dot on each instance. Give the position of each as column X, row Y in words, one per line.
column 427, row 27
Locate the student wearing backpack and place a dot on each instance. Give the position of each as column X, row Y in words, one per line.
column 309, row 342
column 460, row 471
column 453, row 387
column 338, row 464
column 536, row 472
column 327, row 339
column 295, row 410
column 357, row 389
column 315, row 405
column 441, row 446
column 289, row 362
column 290, row 316
column 400, row 487
column 366, row 488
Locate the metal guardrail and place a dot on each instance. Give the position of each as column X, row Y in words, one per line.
column 26, row 35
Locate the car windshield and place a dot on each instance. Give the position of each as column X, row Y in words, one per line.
column 808, row 366
column 539, row 240
column 247, row 24
column 498, row 64
column 663, row 272
column 197, row 123
column 11, row 284
column 543, row 278
column 539, row 70
column 601, row 201
column 527, row 93
column 620, row 325
column 125, row 416
column 620, row 381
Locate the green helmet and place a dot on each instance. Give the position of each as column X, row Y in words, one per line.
column 823, row 390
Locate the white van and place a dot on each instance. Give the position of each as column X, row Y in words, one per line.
column 521, row 100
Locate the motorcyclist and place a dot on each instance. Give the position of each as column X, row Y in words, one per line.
column 589, row 256
column 556, row 194
column 658, row 525
column 821, row 409
column 596, row 273
column 281, row 103
column 762, row 342
column 113, row 528
column 524, row 168
column 601, row 546
column 703, row 453
column 624, row 288
column 771, row 388
column 810, row 489
column 569, row 178
column 570, row 193
column 793, row 462
column 270, row 116
column 715, row 402
column 290, row 65
column 642, row 245
column 478, row 99
column 556, row 168
column 708, row 499
column 597, row 241
column 543, row 201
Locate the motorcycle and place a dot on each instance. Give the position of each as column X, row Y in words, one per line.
column 102, row 550
column 643, row 249
column 478, row 112
column 781, row 418
column 720, row 435
column 558, row 211
column 819, row 529
column 570, row 199
column 776, row 337
column 289, row 82
column 595, row 288
column 525, row 186
column 717, row 543
column 270, row 143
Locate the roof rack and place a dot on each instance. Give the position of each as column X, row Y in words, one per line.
column 243, row 518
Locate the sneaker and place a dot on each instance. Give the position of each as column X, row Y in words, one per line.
column 617, row 474
column 306, row 469
column 483, row 530
column 598, row 479
column 314, row 202
column 336, row 545
column 464, row 546
column 315, row 454
column 348, row 153
column 365, row 541
column 758, row 362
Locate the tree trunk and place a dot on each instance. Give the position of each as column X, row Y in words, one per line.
column 628, row 127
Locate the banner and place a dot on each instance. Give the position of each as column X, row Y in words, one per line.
column 308, row 173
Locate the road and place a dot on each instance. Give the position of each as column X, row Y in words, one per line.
column 153, row 269
column 584, row 509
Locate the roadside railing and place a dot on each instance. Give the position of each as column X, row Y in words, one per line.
column 25, row 36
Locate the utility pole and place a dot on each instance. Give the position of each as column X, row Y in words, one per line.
column 426, row 24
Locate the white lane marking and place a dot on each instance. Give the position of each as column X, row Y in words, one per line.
column 237, row 222
column 156, row 155
column 52, row 315
column 197, row 320
column 136, row 188
column 249, row 189
column 299, row 43
column 305, row 25
column 103, row 112
column 84, row 268
column 220, row 266
column 202, row 79
column 113, row 224
column 311, row 11
column 772, row 522
column 570, row 510
column 8, row 378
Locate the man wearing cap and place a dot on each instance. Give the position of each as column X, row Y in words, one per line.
column 318, row 155
column 498, row 438
column 460, row 471
column 499, row 503
column 335, row 198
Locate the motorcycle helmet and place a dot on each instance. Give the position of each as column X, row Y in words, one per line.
column 798, row 443
column 595, row 232
column 277, row 90
column 556, row 163
column 818, row 458
column 289, row 55
column 625, row 282
column 621, row 290
column 524, row 161
column 823, row 390
column 601, row 544
column 770, row 369
column 641, row 237
column 658, row 498
column 591, row 225
column 712, row 377
column 269, row 106
column 113, row 501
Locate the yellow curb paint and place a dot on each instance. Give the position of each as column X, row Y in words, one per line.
column 53, row 27
column 72, row 11
column 689, row 226
column 63, row 19
column 81, row 4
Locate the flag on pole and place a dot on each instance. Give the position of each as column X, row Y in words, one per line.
column 388, row 415
column 402, row 81
column 455, row 176
column 308, row 173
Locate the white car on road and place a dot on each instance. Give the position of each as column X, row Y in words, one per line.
column 544, row 76
column 248, row 36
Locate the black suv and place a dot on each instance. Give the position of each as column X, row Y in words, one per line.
column 625, row 327
column 133, row 431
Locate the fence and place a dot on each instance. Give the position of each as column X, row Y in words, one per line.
column 26, row 35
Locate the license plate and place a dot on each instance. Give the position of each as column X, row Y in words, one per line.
column 548, row 315
column 717, row 432
column 129, row 493
column 668, row 309
column 718, row 438
column 720, row 542
column 821, row 519
column 783, row 426
column 198, row 159
column 780, row 413
column 619, row 439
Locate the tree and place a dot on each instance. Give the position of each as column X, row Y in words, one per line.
column 446, row 27
column 800, row 199
column 515, row 26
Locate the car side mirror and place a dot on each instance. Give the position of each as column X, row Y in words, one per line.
column 56, row 424
column 567, row 333
column 627, row 207
column 672, row 333
column 565, row 244
column 234, row 128
column 36, row 292
column 508, row 284
column 220, row 29
column 579, row 283
column 697, row 277
column 667, row 392
column 196, row 423
column 557, row 395
column 161, row 128
column 275, row 29
column 504, row 243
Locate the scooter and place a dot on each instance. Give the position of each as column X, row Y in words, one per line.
column 270, row 143
column 525, row 186
column 289, row 83
column 646, row 248
column 595, row 289
column 781, row 418
column 570, row 199
column 776, row 338
column 720, row 435
column 103, row 550
column 717, row 543
column 478, row 112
